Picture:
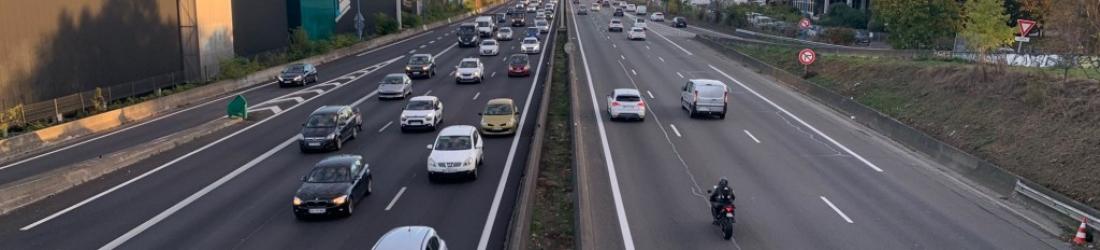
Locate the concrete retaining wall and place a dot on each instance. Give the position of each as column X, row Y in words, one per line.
column 980, row 171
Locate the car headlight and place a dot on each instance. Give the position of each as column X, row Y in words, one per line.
column 340, row 200
column 331, row 136
column 431, row 163
column 404, row 118
column 469, row 162
column 408, row 67
column 298, row 77
column 296, row 201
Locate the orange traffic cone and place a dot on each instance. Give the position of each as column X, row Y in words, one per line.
column 1080, row 238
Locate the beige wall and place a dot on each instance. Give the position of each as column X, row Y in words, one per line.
column 215, row 30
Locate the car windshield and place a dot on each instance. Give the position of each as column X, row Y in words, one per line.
column 518, row 60
column 297, row 68
column 453, row 142
column 615, row 21
column 321, row 121
column 505, row 30
column 419, row 105
column 467, row 64
column 498, row 109
column 393, row 80
column 628, row 98
column 540, row 23
column 418, row 60
column 466, row 29
column 636, row 29
column 488, row 43
column 329, row 175
column 530, row 41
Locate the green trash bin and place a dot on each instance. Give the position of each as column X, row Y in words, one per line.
column 238, row 107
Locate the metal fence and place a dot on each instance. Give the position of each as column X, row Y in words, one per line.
column 55, row 110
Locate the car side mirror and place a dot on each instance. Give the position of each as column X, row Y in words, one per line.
column 479, row 114
column 303, row 178
column 303, row 124
column 708, row 191
column 429, row 146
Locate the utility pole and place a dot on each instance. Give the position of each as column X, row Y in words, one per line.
column 360, row 21
column 399, row 26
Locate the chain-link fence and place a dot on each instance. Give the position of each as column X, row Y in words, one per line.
column 56, row 109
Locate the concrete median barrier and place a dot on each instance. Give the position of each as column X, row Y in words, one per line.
column 34, row 188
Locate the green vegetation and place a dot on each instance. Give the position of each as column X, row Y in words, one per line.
column 918, row 24
column 552, row 221
column 984, row 26
column 841, row 15
column 300, row 47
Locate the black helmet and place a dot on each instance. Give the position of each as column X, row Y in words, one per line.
column 723, row 182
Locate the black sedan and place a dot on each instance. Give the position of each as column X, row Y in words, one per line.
column 333, row 186
column 328, row 127
column 420, row 65
column 297, row 74
column 679, row 22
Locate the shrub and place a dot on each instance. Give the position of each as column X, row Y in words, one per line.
column 383, row 24
column 844, row 16
column 842, row 36
column 410, row 20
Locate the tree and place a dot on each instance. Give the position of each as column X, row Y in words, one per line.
column 842, row 15
column 917, row 24
column 984, row 26
column 1072, row 30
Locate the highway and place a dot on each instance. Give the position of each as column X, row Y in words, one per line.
column 805, row 177
column 233, row 189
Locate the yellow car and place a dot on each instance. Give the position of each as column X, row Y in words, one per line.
column 499, row 118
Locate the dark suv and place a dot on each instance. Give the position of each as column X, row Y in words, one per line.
column 328, row 127
column 519, row 20
column 420, row 65
column 679, row 22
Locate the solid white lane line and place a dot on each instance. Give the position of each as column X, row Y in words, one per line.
column 650, row 94
column 633, row 72
column 423, row 45
column 616, row 194
column 395, row 43
column 622, row 57
column 447, row 49
column 800, row 121
column 661, row 58
column 681, row 75
column 412, row 51
column 395, row 197
column 209, row 188
column 431, row 42
column 841, row 213
column 429, row 92
column 674, row 130
column 385, row 126
column 131, row 127
column 753, row 137
column 487, row 231
column 178, row 159
column 476, row 95
column 673, row 43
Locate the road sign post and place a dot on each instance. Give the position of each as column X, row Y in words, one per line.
column 806, row 57
column 1025, row 26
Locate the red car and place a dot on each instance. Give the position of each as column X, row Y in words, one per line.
column 519, row 65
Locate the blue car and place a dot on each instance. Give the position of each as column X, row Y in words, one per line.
column 532, row 32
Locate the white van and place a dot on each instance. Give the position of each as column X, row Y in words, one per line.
column 640, row 10
column 702, row 97
column 485, row 26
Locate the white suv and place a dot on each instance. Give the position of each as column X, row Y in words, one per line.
column 457, row 150
column 469, row 70
column 422, row 112
column 489, row 47
column 530, row 45
column 636, row 33
column 625, row 103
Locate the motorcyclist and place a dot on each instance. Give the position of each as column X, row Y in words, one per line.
column 721, row 196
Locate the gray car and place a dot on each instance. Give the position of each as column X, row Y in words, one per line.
column 395, row 86
column 504, row 34
column 297, row 74
column 702, row 97
column 410, row 237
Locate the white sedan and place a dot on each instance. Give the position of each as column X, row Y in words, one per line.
column 636, row 33
column 530, row 45
column 489, row 47
column 457, row 150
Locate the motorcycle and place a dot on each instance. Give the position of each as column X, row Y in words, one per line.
column 725, row 219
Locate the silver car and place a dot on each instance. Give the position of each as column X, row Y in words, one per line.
column 410, row 237
column 504, row 34
column 395, row 86
column 469, row 70
column 703, row 97
column 625, row 104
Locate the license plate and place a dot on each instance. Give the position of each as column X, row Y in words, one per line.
column 415, row 72
column 415, row 123
column 729, row 215
column 314, row 144
column 316, row 210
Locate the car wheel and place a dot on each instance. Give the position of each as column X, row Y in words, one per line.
column 722, row 116
column 431, row 177
column 473, row 175
column 351, row 207
column 354, row 134
column 339, row 143
column 303, row 149
column 370, row 184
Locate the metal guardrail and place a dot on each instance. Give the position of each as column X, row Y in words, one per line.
column 55, row 109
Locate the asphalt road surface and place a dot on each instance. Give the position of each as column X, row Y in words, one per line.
column 233, row 189
column 805, row 177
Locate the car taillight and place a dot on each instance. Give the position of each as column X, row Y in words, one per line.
column 729, row 209
column 726, row 97
column 695, row 97
column 615, row 104
column 641, row 104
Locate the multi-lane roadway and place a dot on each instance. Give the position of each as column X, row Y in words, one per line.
column 233, row 189
column 805, row 177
